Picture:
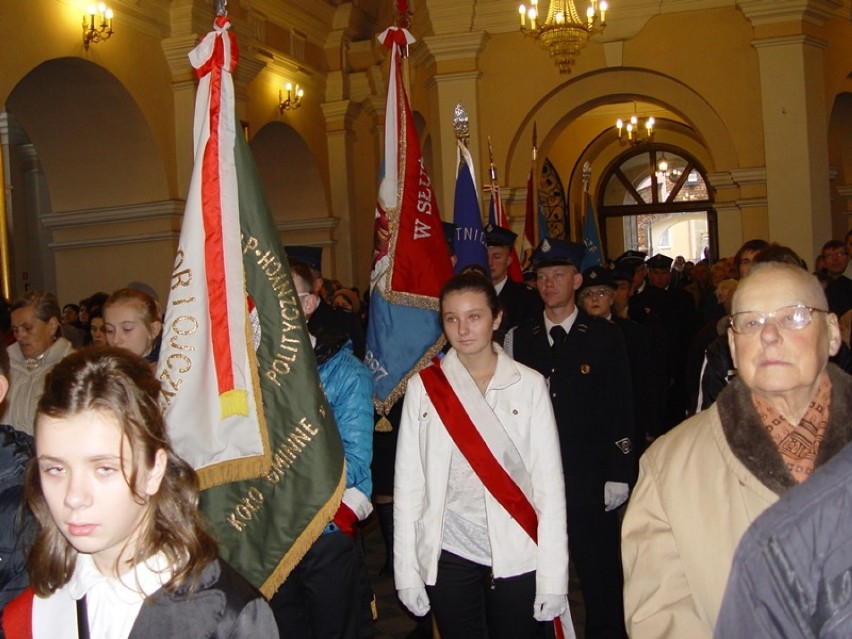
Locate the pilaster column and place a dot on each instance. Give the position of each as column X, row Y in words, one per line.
column 795, row 122
column 339, row 116
column 176, row 51
column 796, row 141
column 454, row 59
column 376, row 107
column 42, row 269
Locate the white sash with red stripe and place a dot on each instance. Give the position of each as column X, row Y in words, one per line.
column 480, row 436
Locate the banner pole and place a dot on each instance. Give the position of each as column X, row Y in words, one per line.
column 5, row 257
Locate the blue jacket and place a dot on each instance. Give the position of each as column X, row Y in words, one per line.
column 348, row 386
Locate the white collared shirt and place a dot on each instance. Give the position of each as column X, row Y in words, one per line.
column 567, row 323
column 499, row 287
column 113, row 603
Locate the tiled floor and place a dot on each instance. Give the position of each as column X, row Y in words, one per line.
column 393, row 621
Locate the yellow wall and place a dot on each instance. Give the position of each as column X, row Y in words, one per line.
column 698, row 69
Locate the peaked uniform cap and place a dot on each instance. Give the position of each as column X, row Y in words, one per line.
column 631, row 259
column 598, row 276
column 499, row 236
column 553, row 252
column 660, row 261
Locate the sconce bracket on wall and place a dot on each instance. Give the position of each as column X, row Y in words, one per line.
column 294, row 98
column 97, row 24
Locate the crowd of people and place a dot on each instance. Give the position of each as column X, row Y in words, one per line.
column 640, row 414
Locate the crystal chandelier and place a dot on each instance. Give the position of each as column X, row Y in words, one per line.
column 563, row 33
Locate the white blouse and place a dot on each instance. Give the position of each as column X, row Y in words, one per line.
column 113, row 603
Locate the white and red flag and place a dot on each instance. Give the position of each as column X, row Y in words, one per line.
column 411, row 260
column 239, row 384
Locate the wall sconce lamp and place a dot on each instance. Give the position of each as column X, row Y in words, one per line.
column 97, row 24
column 294, row 99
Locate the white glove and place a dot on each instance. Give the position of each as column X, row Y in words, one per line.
column 547, row 607
column 415, row 599
column 615, row 494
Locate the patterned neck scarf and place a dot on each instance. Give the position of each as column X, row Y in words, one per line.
column 798, row 444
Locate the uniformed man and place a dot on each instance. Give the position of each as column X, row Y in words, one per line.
column 517, row 302
column 634, row 263
column 585, row 361
column 325, row 316
column 674, row 311
column 597, row 295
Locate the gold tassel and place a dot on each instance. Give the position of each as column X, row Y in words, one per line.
column 384, row 426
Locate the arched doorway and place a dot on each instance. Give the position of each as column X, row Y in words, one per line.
column 655, row 198
column 88, row 184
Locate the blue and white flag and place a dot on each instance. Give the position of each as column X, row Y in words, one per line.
column 591, row 238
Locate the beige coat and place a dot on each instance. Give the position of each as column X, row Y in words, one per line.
column 699, row 488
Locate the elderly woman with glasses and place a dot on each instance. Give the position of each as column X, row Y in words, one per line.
column 786, row 412
column 38, row 347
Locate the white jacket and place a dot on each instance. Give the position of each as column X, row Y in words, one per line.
column 518, row 395
column 27, row 386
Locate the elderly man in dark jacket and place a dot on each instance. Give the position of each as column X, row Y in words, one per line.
column 793, row 569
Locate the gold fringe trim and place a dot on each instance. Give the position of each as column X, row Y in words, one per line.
column 383, row 406
column 234, row 402
column 304, row 541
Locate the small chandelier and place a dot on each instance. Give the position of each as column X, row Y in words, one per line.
column 637, row 130
column 294, row 98
column 97, row 24
column 563, row 33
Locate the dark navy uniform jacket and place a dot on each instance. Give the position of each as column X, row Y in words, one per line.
column 590, row 387
column 519, row 304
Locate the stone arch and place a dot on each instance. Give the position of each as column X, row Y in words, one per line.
column 93, row 142
column 80, row 151
column 566, row 102
column 289, row 173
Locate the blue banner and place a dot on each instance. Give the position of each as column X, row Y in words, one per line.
column 469, row 240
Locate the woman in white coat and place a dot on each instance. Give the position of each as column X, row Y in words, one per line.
column 479, row 496
column 38, row 347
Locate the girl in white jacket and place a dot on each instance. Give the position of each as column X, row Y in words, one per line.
column 466, row 537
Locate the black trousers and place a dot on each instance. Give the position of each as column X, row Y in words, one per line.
column 468, row 604
column 594, row 537
column 323, row 597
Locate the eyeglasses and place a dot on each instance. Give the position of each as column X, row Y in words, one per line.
column 790, row 318
column 596, row 292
